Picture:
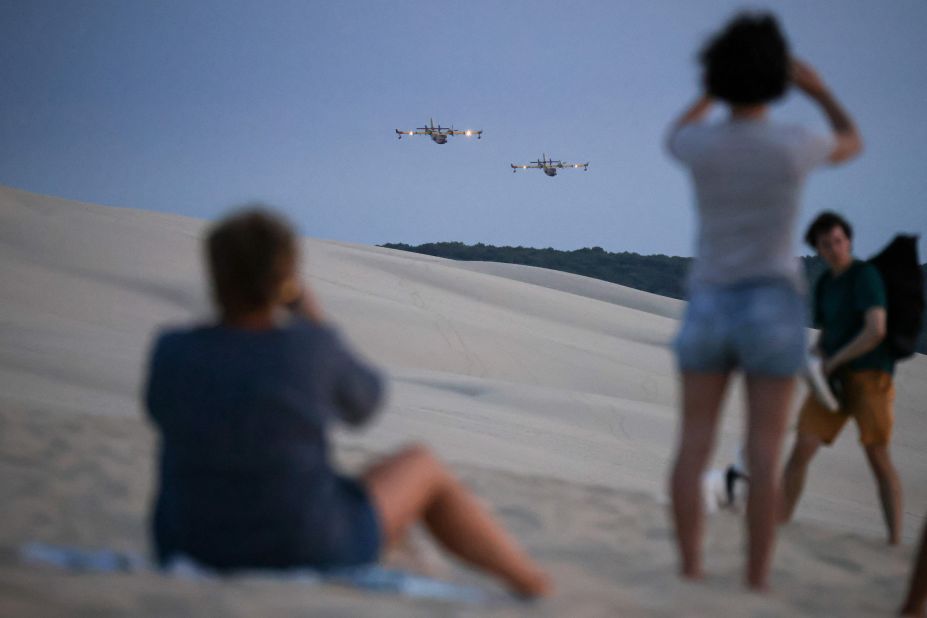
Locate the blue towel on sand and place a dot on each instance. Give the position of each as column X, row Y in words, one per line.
column 370, row 577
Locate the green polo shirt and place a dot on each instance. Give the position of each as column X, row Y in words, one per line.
column 841, row 303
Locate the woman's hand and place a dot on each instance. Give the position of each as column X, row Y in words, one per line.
column 308, row 306
column 696, row 112
column 807, row 79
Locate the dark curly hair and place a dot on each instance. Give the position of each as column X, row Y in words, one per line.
column 250, row 254
column 747, row 63
column 823, row 223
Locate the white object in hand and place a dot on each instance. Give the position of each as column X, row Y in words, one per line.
column 814, row 374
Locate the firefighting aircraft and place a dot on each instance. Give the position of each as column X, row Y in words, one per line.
column 550, row 166
column 438, row 133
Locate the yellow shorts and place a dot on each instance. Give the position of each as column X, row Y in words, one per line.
column 867, row 397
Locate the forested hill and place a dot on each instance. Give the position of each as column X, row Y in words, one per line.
column 660, row 274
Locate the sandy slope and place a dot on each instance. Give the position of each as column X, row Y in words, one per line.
column 552, row 393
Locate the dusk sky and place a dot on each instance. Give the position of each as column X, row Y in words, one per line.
column 194, row 106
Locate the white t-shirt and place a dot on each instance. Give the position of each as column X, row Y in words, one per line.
column 748, row 177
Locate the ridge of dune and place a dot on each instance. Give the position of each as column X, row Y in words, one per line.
column 571, row 283
column 584, row 286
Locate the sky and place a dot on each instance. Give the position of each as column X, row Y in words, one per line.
column 193, row 107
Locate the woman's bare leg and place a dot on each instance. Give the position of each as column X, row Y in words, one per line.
column 702, row 394
column 413, row 485
column 768, row 401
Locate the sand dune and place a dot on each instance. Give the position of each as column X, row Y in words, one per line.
column 553, row 394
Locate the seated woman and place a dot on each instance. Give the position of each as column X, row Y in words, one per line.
column 243, row 408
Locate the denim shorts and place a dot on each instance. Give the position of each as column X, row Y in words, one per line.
column 755, row 326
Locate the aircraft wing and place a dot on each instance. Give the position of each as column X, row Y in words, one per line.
column 573, row 165
column 533, row 166
column 398, row 132
column 467, row 132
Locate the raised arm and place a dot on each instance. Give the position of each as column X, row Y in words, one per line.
column 358, row 389
column 157, row 384
column 849, row 141
column 695, row 113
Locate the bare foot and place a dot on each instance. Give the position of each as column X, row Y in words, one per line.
column 759, row 587
column 692, row 574
column 533, row 584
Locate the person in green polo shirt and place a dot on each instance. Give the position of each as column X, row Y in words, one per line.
column 849, row 308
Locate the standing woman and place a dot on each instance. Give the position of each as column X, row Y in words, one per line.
column 243, row 408
column 746, row 309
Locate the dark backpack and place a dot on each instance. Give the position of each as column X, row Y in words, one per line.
column 904, row 292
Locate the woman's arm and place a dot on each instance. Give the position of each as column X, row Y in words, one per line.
column 156, row 387
column 358, row 387
column 849, row 141
column 695, row 113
